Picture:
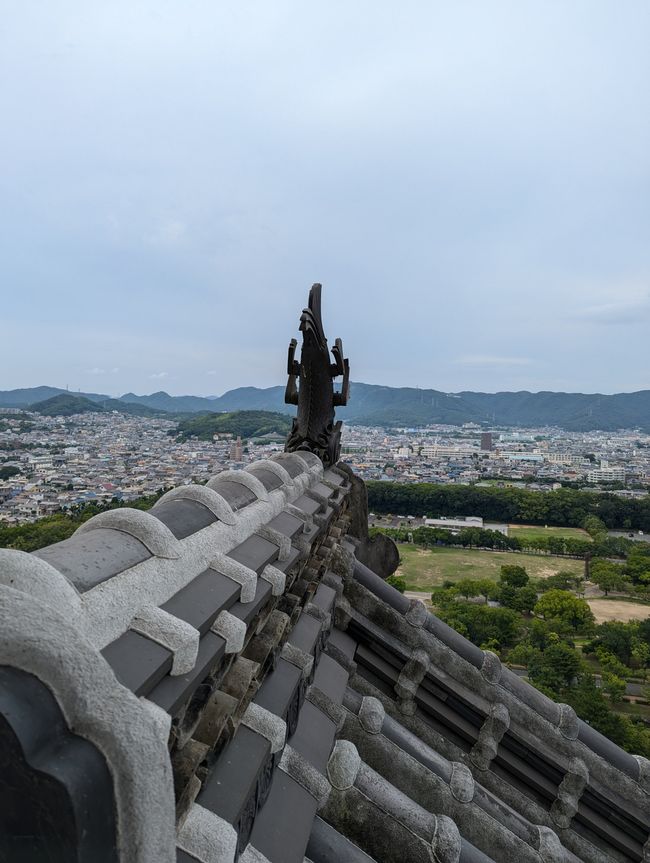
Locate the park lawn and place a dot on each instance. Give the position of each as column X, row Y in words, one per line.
column 532, row 531
column 424, row 569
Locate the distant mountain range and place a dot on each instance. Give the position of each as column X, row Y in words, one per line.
column 394, row 406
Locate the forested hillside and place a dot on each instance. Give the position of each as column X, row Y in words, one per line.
column 246, row 424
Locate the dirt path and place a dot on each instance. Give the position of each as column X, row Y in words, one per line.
column 605, row 610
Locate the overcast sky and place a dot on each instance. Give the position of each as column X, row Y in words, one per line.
column 470, row 181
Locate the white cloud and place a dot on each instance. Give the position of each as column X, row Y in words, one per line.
column 98, row 371
column 159, row 375
column 483, row 360
column 169, row 232
column 622, row 312
column 212, row 372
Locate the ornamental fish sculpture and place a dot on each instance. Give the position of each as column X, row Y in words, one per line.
column 314, row 428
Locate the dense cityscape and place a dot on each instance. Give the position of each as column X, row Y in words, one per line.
column 53, row 463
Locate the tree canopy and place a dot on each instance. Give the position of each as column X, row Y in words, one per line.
column 564, row 606
column 564, row 507
column 246, row 424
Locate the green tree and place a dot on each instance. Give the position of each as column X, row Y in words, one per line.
column 615, row 638
column 560, row 581
column 485, row 587
column 524, row 653
column 525, row 599
column 481, row 623
column 610, row 663
column 637, row 565
column 563, row 606
column 590, row 704
column 643, row 630
column 595, row 527
column 541, row 633
column 608, row 576
column 514, row 576
column 614, row 687
column 554, row 668
column 467, row 587
column 397, row 582
column 641, row 656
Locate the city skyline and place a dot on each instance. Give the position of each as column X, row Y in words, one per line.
column 470, row 184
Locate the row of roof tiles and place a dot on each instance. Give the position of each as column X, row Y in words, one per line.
column 229, row 649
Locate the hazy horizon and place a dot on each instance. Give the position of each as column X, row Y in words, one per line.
column 470, row 182
column 216, row 395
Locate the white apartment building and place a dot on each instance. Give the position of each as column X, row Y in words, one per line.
column 435, row 450
column 564, row 458
column 606, row 474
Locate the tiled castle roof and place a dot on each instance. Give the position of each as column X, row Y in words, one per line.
column 249, row 690
column 224, row 678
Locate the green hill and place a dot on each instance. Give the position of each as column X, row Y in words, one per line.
column 65, row 405
column 246, row 424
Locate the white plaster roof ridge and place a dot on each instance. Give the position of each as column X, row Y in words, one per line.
column 313, row 465
column 162, row 720
column 207, row 837
column 312, row 461
column 243, row 575
column 304, row 479
column 251, row 482
column 296, row 512
column 280, row 539
column 110, row 605
column 173, row 633
column 252, row 855
column 274, row 467
column 42, row 642
column 231, row 629
column 29, row 574
column 302, row 771
column 141, row 525
column 208, row 497
column 299, row 456
column 270, row 726
column 276, row 578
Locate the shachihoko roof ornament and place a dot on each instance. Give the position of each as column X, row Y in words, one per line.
column 314, row 428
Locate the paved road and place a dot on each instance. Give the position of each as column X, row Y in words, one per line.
column 630, row 534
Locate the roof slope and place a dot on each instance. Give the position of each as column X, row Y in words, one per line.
column 258, row 694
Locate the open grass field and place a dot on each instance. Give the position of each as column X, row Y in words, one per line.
column 424, row 569
column 532, row 531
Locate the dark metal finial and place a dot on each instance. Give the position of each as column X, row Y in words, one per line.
column 314, row 428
